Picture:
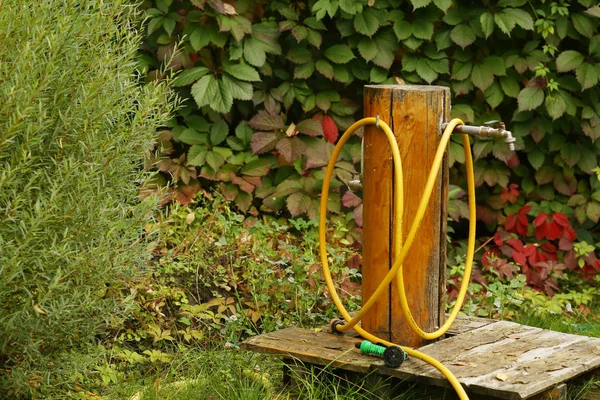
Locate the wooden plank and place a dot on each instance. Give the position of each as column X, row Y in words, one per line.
column 465, row 323
column 377, row 212
column 415, row 114
column 500, row 359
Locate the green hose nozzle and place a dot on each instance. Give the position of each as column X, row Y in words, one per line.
column 393, row 356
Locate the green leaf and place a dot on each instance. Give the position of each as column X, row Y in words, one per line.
column 259, row 167
column 298, row 203
column 218, row 132
column 304, row 71
column 238, row 89
column 169, row 25
column 536, row 158
column 324, row 68
column 386, row 44
column 464, row 112
column 154, row 24
column 299, row 55
column 425, row 71
column 520, row 17
column 595, row 45
column 315, row 38
column 494, row 95
column 191, row 136
column 487, row 23
column 402, row 29
column 443, row 4
column 588, row 160
column 461, row 71
column 462, row 35
column 367, row 49
column 189, row 76
column 197, row 155
column 556, row 106
column 366, row 22
column 199, row 38
column 530, row 98
column 422, row 29
column 440, row 66
column 482, row 76
column 504, row 21
column 420, row 3
column 205, row 89
column 584, row 24
column 511, row 3
column 378, row 75
column 254, row 52
column 510, row 86
column 341, row 73
column 242, row 72
column 587, row 75
column 592, row 211
column 310, row 127
column 556, row 142
column 244, row 132
column 570, row 153
column 568, row 60
column 339, row 53
column 215, row 160
column 351, row 6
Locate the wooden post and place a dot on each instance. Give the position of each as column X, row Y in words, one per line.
column 415, row 114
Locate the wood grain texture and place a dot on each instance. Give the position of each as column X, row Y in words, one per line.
column 415, row 114
column 500, row 360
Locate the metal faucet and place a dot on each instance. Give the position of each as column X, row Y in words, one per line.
column 490, row 129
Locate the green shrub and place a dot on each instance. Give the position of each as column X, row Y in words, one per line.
column 74, row 128
column 271, row 85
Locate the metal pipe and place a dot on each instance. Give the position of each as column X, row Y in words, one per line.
column 486, row 132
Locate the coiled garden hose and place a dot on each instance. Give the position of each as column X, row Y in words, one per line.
column 402, row 248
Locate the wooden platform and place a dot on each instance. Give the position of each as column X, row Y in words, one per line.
column 496, row 359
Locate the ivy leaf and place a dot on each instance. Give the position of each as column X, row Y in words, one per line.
column 509, row 86
column 300, row 33
column 263, row 141
column 530, row 98
column 487, row 23
column 570, row 154
column 536, row 158
column 339, row 53
column 588, row 160
column 341, row 73
column 556, row 106
column 204, row 90
column 330, row 129
column 366, row 22
column 199, row 38
column 259, row 167
column 425, row 71
column 583, row 24
column 378, row 75
column 218, row 132
column 189, row 76
column 215, row 160
column 504, row 21
column 191, row 136
column 482, row 76
column 242, row 72
column 254, row 53
column 422, row 29
column 298, row 203
column 520, row 17
column 443, row 4
column 420, row 3
column 386, row 44
column 462, row 35
column 304, row 71
column 299, row 55
column 460, row 70
column 238, row 89
column 568, row 60
column 402, row 29
column 315, row 38
column 494, row 95
column 351, row 6
column 264, row 120
column 310, row 127
column 367, row 49
column 324, row 68
column 290, row 148
column 587, row 75
column 197, row 155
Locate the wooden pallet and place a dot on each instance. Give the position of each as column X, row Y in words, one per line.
column 493, row 359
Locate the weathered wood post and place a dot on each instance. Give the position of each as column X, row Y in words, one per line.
column 415, row 114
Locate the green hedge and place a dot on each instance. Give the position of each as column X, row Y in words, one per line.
column 271, row 84
column 75, row 126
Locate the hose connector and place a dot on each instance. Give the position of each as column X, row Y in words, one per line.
column 393, row 356
column 334, row 323
column 490, row 129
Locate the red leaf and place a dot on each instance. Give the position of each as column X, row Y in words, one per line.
column 358, row 215
column 510, row 193
column 540, row 219
column 561, row 219
column 516, row 244
column 330, row 129
column 548, row 247
column 570, row 260
column 266, row 121
column 349, row 199
column 262, row 142
column 291, row 149
column 524, row 210
column 511, row 222
column 519, row 258
column 541, row 231
column 565, row 244
column 570, row 233
column 529, row 250
column 522, row 225
column 514, row 161
column 553, row 231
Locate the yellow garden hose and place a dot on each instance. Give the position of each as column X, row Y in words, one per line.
column 402, row 248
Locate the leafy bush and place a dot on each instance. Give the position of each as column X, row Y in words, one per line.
column 271, row 84
column 75, row 127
